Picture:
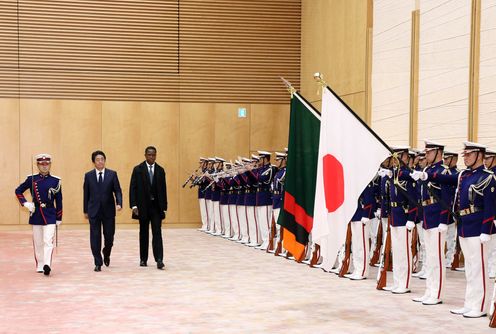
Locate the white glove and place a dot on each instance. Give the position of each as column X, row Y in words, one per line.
column 484, row 238
column 165, row 214
column 494, row 221
column 410, row 225
column 418, row 175
column 29, row 206
column 442, row 228
column 384, row 172
column 58, row 222
column 377, row 214
column 364, row 220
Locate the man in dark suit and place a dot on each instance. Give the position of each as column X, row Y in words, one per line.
column 148, row 200
column 100, row 186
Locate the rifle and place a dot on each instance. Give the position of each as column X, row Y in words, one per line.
column 385, row 260
column 272, row 235
column 347, row 252
column 378, row 244
column 414, row 248
column 315, row 256
column 456, row 257
column 492, row 319
column 279, row 243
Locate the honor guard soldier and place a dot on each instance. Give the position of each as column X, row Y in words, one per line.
column 232, row 200
column 403, row 214
column 201, row 195
column 360, row 231
column 435, row 211
column 474, row 203
column 240, row 203
column 277, row 188
column 224, row 187
column 490, row 163
column 208, row 195
column 45, row 210
column 419, row 166
column 265, row 174
column 219, row 166
column 450, row 161
column 251, row 201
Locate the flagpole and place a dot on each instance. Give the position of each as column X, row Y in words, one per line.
column 318, row 77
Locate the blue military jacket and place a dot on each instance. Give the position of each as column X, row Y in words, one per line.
column 264, row 175
column 46, row 191
column 433, row 194
column 277, row 188
column 250, row 191
column 403, row 196
column 239, row 188
column 474, row 201
column 384, row 196
column 367, row 203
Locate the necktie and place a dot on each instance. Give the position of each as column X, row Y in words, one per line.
column 100, row 177
column 150, row 173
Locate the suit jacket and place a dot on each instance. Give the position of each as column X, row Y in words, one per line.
column 140, row 189
column 101, row 196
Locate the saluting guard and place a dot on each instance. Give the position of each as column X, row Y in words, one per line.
column 45, row 210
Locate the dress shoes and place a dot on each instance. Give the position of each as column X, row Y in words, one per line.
column 98, row 268
column 420, row 299
column 389, row 288
column 142, row 263
column 399, row 291
column 460, row 311
column 160, row 265
column 432, row 301
column 474, row 314
column 46, row 269
column 106, row 261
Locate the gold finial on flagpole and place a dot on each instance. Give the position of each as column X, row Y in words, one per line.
column 289, row 86
column 319, row 77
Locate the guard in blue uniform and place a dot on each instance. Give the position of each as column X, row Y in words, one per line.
column 490, row 163
column 474, row 204
column 250, row 180
column 201, row 194
column 419, row 165
column 264, row 174
column 360, row 225
column 435, row 207
column 403, row 213
column 208, row 195
column 241, row 187
column 277, row 189
column 45, row 210
column 450, row 162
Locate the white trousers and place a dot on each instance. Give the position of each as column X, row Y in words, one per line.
column 203, row 213
column 225, row 220
column 233, row 214
column 491, row 256
column 253, row 228
column 217, row 218
column 373, row 229
column 264, row 214
column 476, row 274
column 434, row 256
column 450, row 245
column 243, row 224
column 43, row 236
column 360, row 248
column 421, row 249
column 210, row 215
column 401, row 244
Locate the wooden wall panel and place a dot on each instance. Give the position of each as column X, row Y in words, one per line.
column 10, row 178
column 197, row 138
column 127, row 129
column 269, row 127
column 232, row 134
column 333, row 42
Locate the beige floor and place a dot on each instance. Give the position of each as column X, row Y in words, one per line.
column 210, row 285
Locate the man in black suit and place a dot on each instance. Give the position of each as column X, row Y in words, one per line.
column 100, row 186
column 148, row 200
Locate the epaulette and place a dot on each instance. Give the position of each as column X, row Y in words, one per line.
column 55, row 176
column 488, row 171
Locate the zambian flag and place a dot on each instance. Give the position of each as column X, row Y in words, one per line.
column 303, row 150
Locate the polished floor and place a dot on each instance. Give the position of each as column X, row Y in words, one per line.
column 210, row 285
